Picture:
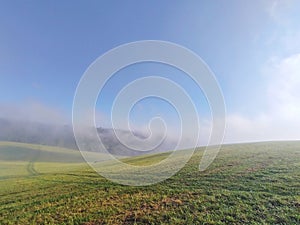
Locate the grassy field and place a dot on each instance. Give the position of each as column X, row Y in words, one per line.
column 256, row 183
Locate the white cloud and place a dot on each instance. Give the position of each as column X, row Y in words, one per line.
column 283, row 91
column 281, row 118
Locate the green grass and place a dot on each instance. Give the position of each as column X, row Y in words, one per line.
column 255, row 183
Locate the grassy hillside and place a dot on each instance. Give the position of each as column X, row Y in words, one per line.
column 255, row 183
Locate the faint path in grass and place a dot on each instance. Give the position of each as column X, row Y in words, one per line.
column 30, row 167
column 31, row 170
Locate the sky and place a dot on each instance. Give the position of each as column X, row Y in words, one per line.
column 252, row 48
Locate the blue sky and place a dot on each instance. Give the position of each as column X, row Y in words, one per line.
column 252, row 47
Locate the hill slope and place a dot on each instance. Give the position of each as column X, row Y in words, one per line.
column 247, row 184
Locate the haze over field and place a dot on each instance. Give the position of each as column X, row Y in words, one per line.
column 62, row 136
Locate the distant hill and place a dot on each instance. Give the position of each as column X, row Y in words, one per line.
column 62, row 136
column 37, row 133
